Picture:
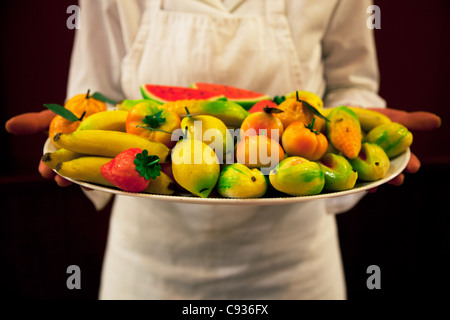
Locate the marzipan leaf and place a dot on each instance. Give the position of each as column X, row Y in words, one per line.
column 311, row 108
column 101, row 97
column 63, row 112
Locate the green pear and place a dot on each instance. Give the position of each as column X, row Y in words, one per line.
column 339, row 173
column 239, row 181
column 231, row 113
column 297, row 176
column 195, row 166
column 372, row 163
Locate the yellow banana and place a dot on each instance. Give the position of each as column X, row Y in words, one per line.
column 369, row 119
column 113, row 120
column 51, row 159
column 163, row 184
column 105, row 143
column 88, row 169
column 85, row 169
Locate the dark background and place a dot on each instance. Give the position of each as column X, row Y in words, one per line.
column 44, row 228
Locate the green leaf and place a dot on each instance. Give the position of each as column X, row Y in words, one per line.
column 314, row 110
column 147, row 165
column 311, row 108
column 278, row 99
column 63, row 112
column 154, row 120
column 101, row 97
column 311, row 127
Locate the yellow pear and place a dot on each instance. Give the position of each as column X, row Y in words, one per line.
column 211, row 131
column 195, row 166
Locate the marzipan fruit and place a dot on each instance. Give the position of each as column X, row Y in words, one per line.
column 393, row 137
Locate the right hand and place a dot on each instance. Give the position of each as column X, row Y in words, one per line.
column 34, row 122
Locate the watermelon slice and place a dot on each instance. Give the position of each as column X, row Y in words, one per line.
column 163, row 94
column 245, row 98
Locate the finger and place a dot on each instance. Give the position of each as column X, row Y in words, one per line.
column 29, row 123
column 415, row 121
column 45, row 117
column 398, row 180
column 62, row 182
column 422, row 121
column 26, row 123
column 45, row 171
column 413, row 165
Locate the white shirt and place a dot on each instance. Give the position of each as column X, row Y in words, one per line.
column 166, row 250
column 333, row 44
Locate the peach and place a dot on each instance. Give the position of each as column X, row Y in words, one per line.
column 259, row 151
column 262, row 123
column 303, row 141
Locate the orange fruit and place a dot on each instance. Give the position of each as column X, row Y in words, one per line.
column 294, row 110
column 78, row 104
column 262, row 123
column 259, row 151
column 299, row 140
column 84, row 102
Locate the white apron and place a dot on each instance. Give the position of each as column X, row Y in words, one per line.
column 167, row 250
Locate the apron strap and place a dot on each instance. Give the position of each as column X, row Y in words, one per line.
column 276, row 7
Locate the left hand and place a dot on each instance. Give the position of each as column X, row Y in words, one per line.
column 414, row 121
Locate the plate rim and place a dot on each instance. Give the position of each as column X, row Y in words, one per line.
column 401, row 162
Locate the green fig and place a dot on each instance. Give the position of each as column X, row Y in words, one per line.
column 297, row 176
column 339, row 173
column 239, row 181
column 372, row 163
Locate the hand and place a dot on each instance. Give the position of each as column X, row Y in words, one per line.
column 34, row 122
column 414, row 121
column 31, row 122
column 48, row 173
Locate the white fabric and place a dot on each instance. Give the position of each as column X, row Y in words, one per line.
column 165, row 250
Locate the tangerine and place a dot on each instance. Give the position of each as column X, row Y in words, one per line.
column 82, row 106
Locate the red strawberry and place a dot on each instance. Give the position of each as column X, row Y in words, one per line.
column 262, row 104
column 131, row 170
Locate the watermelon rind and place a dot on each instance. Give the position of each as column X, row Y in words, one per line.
column 163, row 94
column 246, row 98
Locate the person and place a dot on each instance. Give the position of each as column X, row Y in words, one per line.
column 170, row 250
